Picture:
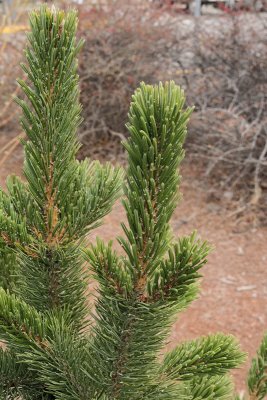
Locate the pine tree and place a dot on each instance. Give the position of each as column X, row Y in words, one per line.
column 52, row 349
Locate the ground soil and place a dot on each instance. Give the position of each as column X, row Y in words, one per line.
column 234, row 289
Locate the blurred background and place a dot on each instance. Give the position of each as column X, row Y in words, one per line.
column 217, row 51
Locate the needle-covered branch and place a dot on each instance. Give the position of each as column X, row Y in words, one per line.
column 43, row 219
column 17, row 381
column 157, row 125
column 257, row 377
column 210, row 355
column 20, row 324
column 177, row 274
column 210, row 388
column 60, row 364
column 59, row 185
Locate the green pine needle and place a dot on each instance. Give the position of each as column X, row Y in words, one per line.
column 210, row 355
column 257, row 377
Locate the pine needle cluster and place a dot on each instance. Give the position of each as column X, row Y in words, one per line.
column 51, row 349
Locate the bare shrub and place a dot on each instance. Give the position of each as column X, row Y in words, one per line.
column 124, row 45
column 226, row 78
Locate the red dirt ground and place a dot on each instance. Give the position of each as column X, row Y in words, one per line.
column 234, row 289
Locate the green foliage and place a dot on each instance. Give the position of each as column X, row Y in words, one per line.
column 210, row 355
column 257, row 377
column 16, row 380
column 180, row 268
column 7, row 269
column 20, row 324
column 53, row 349
column 43, row 219
column 210, row 388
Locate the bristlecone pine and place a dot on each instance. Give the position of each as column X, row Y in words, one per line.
column 51, row 348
